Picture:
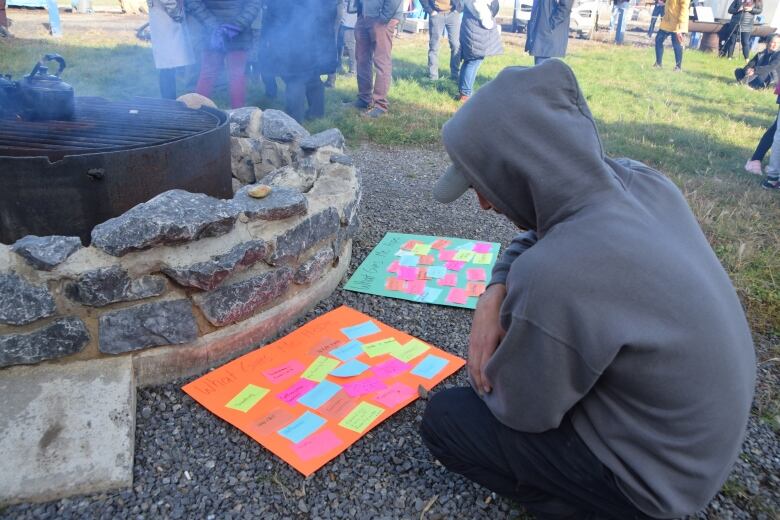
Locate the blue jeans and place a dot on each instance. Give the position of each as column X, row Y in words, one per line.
column 468, row 74
column 436, row 25
column 658, row 11
column 659, row 47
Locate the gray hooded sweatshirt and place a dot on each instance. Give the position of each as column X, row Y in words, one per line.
column 620, row 315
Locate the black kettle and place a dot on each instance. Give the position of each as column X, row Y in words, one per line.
column 43, row 96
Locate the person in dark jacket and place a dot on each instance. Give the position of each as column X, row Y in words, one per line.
column 742, row 13
column 761, row 71
column 479, row 38
column 228, row 25
column 443, row 14
column 548, row 29
column 298, row 44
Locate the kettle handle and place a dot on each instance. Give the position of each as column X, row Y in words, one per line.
column 49, row 57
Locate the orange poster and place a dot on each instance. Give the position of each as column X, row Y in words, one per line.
column 308, row 396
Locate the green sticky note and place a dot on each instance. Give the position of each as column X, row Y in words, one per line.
column 320, row 368
column 421, row 249
column 483, row 258
column 463, row 255
column 383, row 346
column 361, row 417
column 410, row 350
column 247, row 398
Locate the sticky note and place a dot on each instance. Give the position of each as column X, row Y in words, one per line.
column 463, row 255
column 338, row 406
column 359, row 419
column 317, row 445
column 293, row 393
column 401, row 252
column 394, row 284
column 410, row 350
column 446, row 255
column 409, row 261
column 364, row 386
column 440, row 243
column 320, row 368
column 319, row 395
column 409, row 245
column 271, row 422
column 247, row 398
column 474, row 288
column 482, row 247
column 348, row 351
column 285, row 371
column 429, row 366
column 363, row 329
column 467, row 245
column 482, row 258
column 383, row 346
column 427, row 260
column 394, row 395
column 454, row 265
column 475, row 275
column 323, row 346
column 390, row 368
column 421, row 249
column 436, row 271
column 414, row 287
column 422, row 273
column 450, row 280
column 393, row 267
column 429, row 295
column 457, row 295
column 302, row 427
column 351, row 368
column 407, row 273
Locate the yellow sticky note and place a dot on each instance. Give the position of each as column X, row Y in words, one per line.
column 483, row 258
column 410, row 350
column 421, row 249
column 247, row 398
column 383, row 346
column 320, row 368
column 361, row 417
column 463, row 255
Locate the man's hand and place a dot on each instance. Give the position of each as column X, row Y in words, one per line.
column 750, row 71
column 680, row 37
column 486, row 334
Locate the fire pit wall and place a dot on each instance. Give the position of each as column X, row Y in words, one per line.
column 185, row 281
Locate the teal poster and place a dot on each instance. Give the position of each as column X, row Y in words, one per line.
column 420, row 268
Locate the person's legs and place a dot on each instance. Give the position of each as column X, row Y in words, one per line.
column 764, row 144
column 744, row 38
column 295, row 97
column 349, row 43
column 315, row 95
column 436, row 25
column 740, row 75
column 730, row 44
column 468, row 74
column 453, row 36
column 678, row 50
column 210, row 68
column 773, row 168
column 236, row 71
column 167, row 83
column 340, row 48
column 383, row 61
column 364, row 54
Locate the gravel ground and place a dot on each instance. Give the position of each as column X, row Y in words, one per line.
column 190, row 464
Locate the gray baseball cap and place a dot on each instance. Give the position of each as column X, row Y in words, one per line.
column 451, row 185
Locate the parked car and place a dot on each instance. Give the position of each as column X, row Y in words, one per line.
column 583, row 16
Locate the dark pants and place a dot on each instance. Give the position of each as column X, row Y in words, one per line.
column 765, row 143
column 731, row 43
column 552, row 474
column 755, row 81
column 658, row 12
column 300, row 90
column 373, row 50
column 167, row 83
column 436, row 25
column 659, row 47
column 346, row 40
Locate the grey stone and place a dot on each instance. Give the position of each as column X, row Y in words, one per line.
column 238, row 301
column 244, row 153
column 108, row 285
column 332, row 137
column 280, row 204
column 313, row 268
column 346, row 160
column 60, row 338
column 172, row 217
column 22, row 302
column 46, row 253
column 280, row 127
column 273, row 155
column 208, row 275
column 295, row 241
column 245, row 122
column 147, row 325
column 298, row 179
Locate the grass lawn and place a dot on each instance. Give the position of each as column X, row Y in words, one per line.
column 696, row 126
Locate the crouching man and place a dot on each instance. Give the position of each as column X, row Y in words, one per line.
column 611, row 365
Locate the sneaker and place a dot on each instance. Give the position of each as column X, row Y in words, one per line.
column 754, row 167
column 375, row 113
column 462, row 98
column 677, row 68
column 358, row 104
column 657, row 65
column 771, row 183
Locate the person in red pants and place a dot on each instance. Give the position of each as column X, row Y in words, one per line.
column 228, row 24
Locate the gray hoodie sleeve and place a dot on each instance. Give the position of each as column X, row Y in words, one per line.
column 519, row 244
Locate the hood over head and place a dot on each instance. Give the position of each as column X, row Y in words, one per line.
column 527, row 142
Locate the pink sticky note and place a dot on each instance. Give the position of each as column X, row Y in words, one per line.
column 286, row 371
column 446, row 255
column 457, row 295
column 364, row 386
column 481, row 247
column 449, row 279
column 407, row 273
column 317, row 445
column 394, row 395
column 475, row 275
column 414, row 287
column 454, row 265
column 292, row 394
column 390, row 368
column 393, row 268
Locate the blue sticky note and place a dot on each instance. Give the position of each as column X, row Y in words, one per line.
column 409, row 261
column 467, row 245
column 429, row 295
column 319, row 395
column 348, row 351
column 430, row 366
column 436, row 271
column 363, row 329
column 302, row 427
column 351, row 368
column 403, row 252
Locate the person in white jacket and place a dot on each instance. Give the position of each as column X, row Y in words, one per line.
column 479, row 38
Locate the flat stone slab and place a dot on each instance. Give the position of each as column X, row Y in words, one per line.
column 22, row 302
column 149, row 325
column 60, row 338
column 209, row 274
column 46, row 253
column 67, row 429
column 280, row 204
column 295, row 241
column 331, row 137
column 278, row 126
column 108, row 285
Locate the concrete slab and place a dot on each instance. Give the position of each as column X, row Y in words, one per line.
column 66, row 429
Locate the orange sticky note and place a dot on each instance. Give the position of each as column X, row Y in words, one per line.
column 410, row 244
column 394, row 284
column 415, row 287
column 474, row 288
column 426, row 260
column 440, row 243
column 422, row 273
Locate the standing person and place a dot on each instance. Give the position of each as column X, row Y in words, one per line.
column 479, row 38
column 376, row 23
column 742, row 16
column 298, row 44
column 345, row 39
column 228, row 26
column 170, row 42
column 611, row 365
column 443, row 14
column 658, row 10
column 772, row 181
column 548, row 29
column 675, row 24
